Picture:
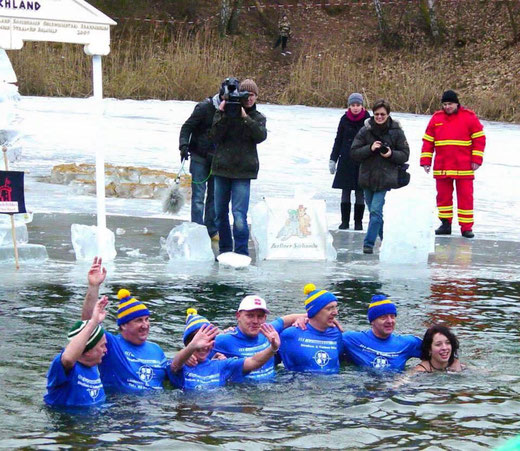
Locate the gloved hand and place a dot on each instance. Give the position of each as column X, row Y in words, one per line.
column 332, row 166
column 184, row 152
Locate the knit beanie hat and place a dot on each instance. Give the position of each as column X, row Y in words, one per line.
column 95, row 336
column 379, row 306
column 316, row 299
column 129, row 307
column 450, row 96
column 249, row 85
column 194, row 322
column 355, row 97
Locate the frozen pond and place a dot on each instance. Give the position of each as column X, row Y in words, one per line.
column 473, row 286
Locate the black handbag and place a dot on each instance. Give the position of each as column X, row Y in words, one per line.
column 403, row 177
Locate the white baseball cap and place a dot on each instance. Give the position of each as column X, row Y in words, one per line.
column 253, row 302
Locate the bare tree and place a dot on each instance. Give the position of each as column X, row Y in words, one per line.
column 229, row 16
column 428, row 9
column 383, row 26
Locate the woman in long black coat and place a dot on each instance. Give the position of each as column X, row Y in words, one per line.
column 347, row 170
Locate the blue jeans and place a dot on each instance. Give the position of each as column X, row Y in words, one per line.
column 203, row 212
column 236, row 191
column 375, row 201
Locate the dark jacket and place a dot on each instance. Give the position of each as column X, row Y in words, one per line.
column 375, row 172
column 236, row 139
column 195, row 131
column 347, row 170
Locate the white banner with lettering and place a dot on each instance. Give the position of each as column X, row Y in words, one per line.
column 291, row 229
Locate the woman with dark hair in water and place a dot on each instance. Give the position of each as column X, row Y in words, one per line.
column 439, row 351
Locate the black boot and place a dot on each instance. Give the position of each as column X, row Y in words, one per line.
column 345, row 215
column 444, row 229
column 359, row 209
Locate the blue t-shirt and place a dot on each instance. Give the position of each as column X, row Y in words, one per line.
column 311, row 351
column 209, row 374
column 236, row 344
column 130, row 368
column 80, row 387
column 389, row 354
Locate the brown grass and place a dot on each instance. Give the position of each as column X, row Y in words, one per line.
column 162, row 64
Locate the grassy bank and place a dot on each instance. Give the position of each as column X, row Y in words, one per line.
column 163, row 62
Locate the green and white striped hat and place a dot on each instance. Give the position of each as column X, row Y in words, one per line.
column 95, row 336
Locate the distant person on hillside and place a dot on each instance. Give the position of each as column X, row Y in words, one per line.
column 380, row 147
column 235, row 164
column 347, row 170
column 284, row 33
column 194, row 142
column 457, row 137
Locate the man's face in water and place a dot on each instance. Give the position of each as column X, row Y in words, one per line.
column 249, row 321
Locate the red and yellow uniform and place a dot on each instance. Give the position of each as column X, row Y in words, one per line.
column 458, row 140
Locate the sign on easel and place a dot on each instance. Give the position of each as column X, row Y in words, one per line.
column 292, row 229
column 12, row 198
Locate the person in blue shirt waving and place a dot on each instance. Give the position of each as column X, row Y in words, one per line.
column 73, row 379
column 317, row 348
column 132, row 364
column 379, row 347
column 246, row 340
column 199, row 338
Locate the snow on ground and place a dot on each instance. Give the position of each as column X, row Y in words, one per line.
column 295, row 155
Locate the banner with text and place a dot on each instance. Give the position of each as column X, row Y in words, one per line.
column 12, row 198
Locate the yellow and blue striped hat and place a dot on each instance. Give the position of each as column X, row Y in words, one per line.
column 129, row 307
column 316, row 299
column 380, row 305
column 194, row 322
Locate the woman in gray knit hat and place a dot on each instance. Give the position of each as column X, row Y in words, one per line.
column 346, row 169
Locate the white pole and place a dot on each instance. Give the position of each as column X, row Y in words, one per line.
column 97, row 75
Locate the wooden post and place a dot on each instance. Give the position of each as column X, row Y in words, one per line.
column 13, row 229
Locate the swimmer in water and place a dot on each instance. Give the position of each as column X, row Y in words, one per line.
column 439, row 351
column 199, row 339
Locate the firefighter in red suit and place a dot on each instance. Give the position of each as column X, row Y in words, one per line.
column 457, row 137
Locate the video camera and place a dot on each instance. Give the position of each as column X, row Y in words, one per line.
column 231, row 94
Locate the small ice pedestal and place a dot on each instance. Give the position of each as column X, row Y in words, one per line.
column 22, row 237
column 408, row 229
column 85, row 242
column 28, row 253
column 188, row 241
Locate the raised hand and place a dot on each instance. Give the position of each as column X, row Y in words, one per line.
column 270, row 333
column 204, row 337
column 100, row 313
column 97, row 273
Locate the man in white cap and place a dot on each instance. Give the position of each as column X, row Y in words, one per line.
column 246, row 340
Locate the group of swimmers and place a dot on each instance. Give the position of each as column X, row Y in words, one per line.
column 95, row 360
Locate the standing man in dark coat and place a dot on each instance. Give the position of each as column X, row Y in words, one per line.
column 347, row 170
column 235, row 164
column 194, row 141
column 380, row 147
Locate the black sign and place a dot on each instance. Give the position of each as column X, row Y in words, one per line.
column 12, row 198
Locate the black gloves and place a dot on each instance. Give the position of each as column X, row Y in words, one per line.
column 184, row 152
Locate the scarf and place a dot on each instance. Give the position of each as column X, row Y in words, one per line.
column 356, row 117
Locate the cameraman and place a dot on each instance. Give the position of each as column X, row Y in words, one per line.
column 194, row 141
column 234, row 165
column 380, row 147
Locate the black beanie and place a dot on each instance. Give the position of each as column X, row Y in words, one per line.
column 450, row 96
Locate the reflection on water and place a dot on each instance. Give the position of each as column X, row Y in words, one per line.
column 355, row 409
